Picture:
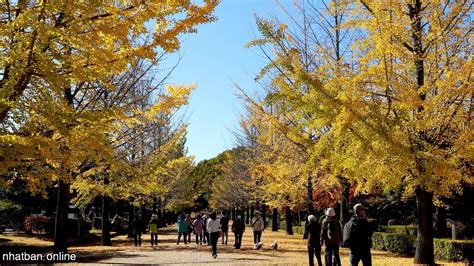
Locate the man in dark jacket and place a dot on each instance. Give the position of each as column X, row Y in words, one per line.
column 238, row 227
column 357, row 236
column 312, row 231
column 137, row 231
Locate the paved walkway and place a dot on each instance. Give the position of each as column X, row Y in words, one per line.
column 291, row 251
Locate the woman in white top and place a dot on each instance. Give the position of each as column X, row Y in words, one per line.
column 213, row 228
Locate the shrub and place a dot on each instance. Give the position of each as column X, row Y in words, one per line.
column 454, row 250
column 397, row 243
column 444, row 249
column 410, row 230
column 38, row 223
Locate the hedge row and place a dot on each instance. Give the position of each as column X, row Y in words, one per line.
column 444, row 249
column 410, row 230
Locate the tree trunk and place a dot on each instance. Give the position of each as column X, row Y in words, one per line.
column 344, row 204
column 155, row 203
column 310, row 203
column 232, row 214
column 441, row 224
column 275, row 220
column 252, row 212
column 60, row 237
column 105, row 238
column 289, row 221
column 131, row 210
column 247, row 216
column 424, row 242
column 264, row 215
column 144, row 217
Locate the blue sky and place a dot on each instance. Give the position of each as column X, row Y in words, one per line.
column 213, row 59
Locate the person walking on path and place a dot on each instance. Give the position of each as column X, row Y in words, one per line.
column 224, row 221
column 257, row 227
column 213, row 229
column 238, row 228
column 137, row 231
column 189, row 227
column 198, row 226
column 205, row 232
column 331, row 235
column 312, row 232
column 153, row 228
column 182, row 229
column 357, row 237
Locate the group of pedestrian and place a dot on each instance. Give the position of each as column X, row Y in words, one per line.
column 356, row 236
column 137, row 229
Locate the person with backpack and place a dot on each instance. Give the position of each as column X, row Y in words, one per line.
column 357, row 236
column 238, row 228
column 331, row 235
column 312, row 232
column 182, row 226
column 137, row 231
column 258, row 225
column 153, row 228
column 198, row 225
column 213, row 227
column 224, row 221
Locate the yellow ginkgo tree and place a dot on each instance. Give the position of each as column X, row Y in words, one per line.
column 399, row 116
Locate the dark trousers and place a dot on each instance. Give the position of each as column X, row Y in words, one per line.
column 225, row 236
column 137, row 239
column 314, row 250
column 206, row 238
column 257, row 235
column 214, row 237
column 238, row 239
column 332, row 250
column 190, row 231
column 154, row 239
column 360, row 255
column 185, row 237
column 199, row 238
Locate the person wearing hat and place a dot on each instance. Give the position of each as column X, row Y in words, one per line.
column 257, row 226
column 357, row 236
column 153, row 228
column 331, row 235
column 312, row 231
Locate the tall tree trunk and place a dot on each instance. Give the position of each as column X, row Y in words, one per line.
column 60, row 237
column 131, row 210
column 275, row 219
column 155, row 203
column 247, row 215
column 344, row 204
column 252, row 212
column 289, row 221
column 424, row 242
column 441, row 225
column 105, row 237
column 264, row 215
column 144, row 217
column 310, row 203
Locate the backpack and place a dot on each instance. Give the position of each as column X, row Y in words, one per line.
column 332, row 231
